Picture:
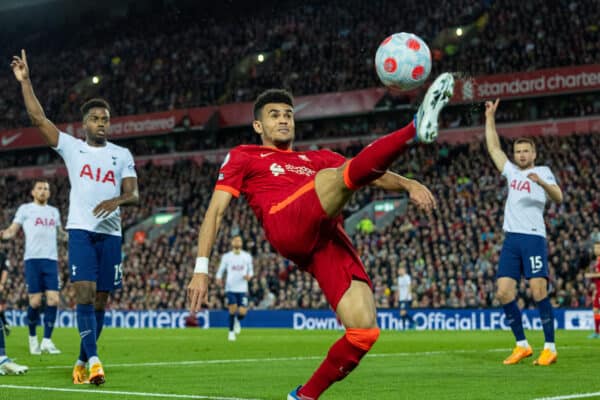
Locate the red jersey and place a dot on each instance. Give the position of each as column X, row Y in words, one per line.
column 267, row 176
column 597, row 280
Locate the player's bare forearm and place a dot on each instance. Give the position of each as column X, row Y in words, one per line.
column 129, row 199
column 393, row 182
column 553, row 192
column 493, row 144
column 592, row 275
column 9, row 232
column 37, row 115
column 212, row 221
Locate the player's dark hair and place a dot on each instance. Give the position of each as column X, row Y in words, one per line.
column 272, row 96
column 93, row 103
column 40, row 180
column 525, row 140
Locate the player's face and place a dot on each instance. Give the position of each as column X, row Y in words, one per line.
column 41, row 192
column 524, row 155
column 236, row 243
column 97, row 124
column 276, row 125
column 597, row 249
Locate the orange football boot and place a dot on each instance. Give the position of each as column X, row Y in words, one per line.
column 80, row 375
column 518, row 354
column 97, row 374
column 546, row 358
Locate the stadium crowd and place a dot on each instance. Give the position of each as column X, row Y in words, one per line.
column 452, row 255
column 193, row 61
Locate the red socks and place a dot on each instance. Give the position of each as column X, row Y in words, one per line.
column 376, row 158
column 341, row 359
column 597, row 322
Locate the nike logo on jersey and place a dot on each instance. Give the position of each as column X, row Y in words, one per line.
column 6, row 140
column 263, row 155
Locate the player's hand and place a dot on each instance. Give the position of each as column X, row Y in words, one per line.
column 197, row 291
column 422, row 197
column 490, row 108
column 105, row 208
column 19, row 67
column 534, row 177
column 219, row 282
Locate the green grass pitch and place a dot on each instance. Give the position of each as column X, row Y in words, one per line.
column 268, row 363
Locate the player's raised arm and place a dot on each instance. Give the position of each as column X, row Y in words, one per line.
column 419, row 194
column 198, row 286
column 10, row 232
column 491, row 135
column 34, row 108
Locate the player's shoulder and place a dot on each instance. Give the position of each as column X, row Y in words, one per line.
column 246, row 149
column 110, row 146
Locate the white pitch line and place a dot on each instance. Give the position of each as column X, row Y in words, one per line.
column 277, row 359
column 571, row 396
column 121, row 393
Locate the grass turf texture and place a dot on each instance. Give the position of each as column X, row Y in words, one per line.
column 268, row 363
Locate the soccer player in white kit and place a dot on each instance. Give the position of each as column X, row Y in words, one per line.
column 525, row 251
column 237, row 263
column 103, row 178
column 41, row 225
column 404, row 293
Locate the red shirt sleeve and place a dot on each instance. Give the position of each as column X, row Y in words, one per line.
column 231, row 174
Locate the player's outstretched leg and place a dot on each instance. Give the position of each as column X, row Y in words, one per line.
column 357, row 312
column 376, row 158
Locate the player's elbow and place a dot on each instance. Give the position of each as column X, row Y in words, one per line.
column 37, row 119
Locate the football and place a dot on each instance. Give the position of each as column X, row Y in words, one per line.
column 403, row 61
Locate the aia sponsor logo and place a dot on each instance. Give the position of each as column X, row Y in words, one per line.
column 521, row 186
column 87, row 172
column 49, row 222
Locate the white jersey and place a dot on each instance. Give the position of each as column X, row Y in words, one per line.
column 524, row 209
column 237, row 267
column 95, row 174
column 39, row 224
column 404, row 290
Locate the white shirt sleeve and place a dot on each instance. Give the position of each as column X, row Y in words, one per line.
column 250, row 266
column 20, row 216
column 221, row 268
column 66, row 145
column 128, row 166
column 509, row 169
column 548, row 176
column 58, row 222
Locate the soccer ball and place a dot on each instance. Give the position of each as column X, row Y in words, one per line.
column 403, row 61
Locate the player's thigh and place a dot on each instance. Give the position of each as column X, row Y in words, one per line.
column 110, row 270
column 356, row 309
column 50, row 275
column 510, row 263
column 232, row 307
column 83, row 259
column 243, row 310
column 534, row 253
column 539, row 288
column 332, row 190
column 34, row 276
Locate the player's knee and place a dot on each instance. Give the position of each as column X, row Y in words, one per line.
column 539, row 294
column 100, row 301
column 52, row 299
column 505, row 296
column 363, row 338
column 85, row 292
column 35, row 301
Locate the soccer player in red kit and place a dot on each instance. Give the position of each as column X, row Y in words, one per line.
column 298, row 197
column 595, row 276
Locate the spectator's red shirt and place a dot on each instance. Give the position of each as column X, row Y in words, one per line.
column 267, row 176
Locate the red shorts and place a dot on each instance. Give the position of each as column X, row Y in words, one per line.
column 300, row 230
column 597, row 299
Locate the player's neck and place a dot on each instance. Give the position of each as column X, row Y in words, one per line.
column 40, row 203
column 237, row 251
column 287, row 146
column 93, row 143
